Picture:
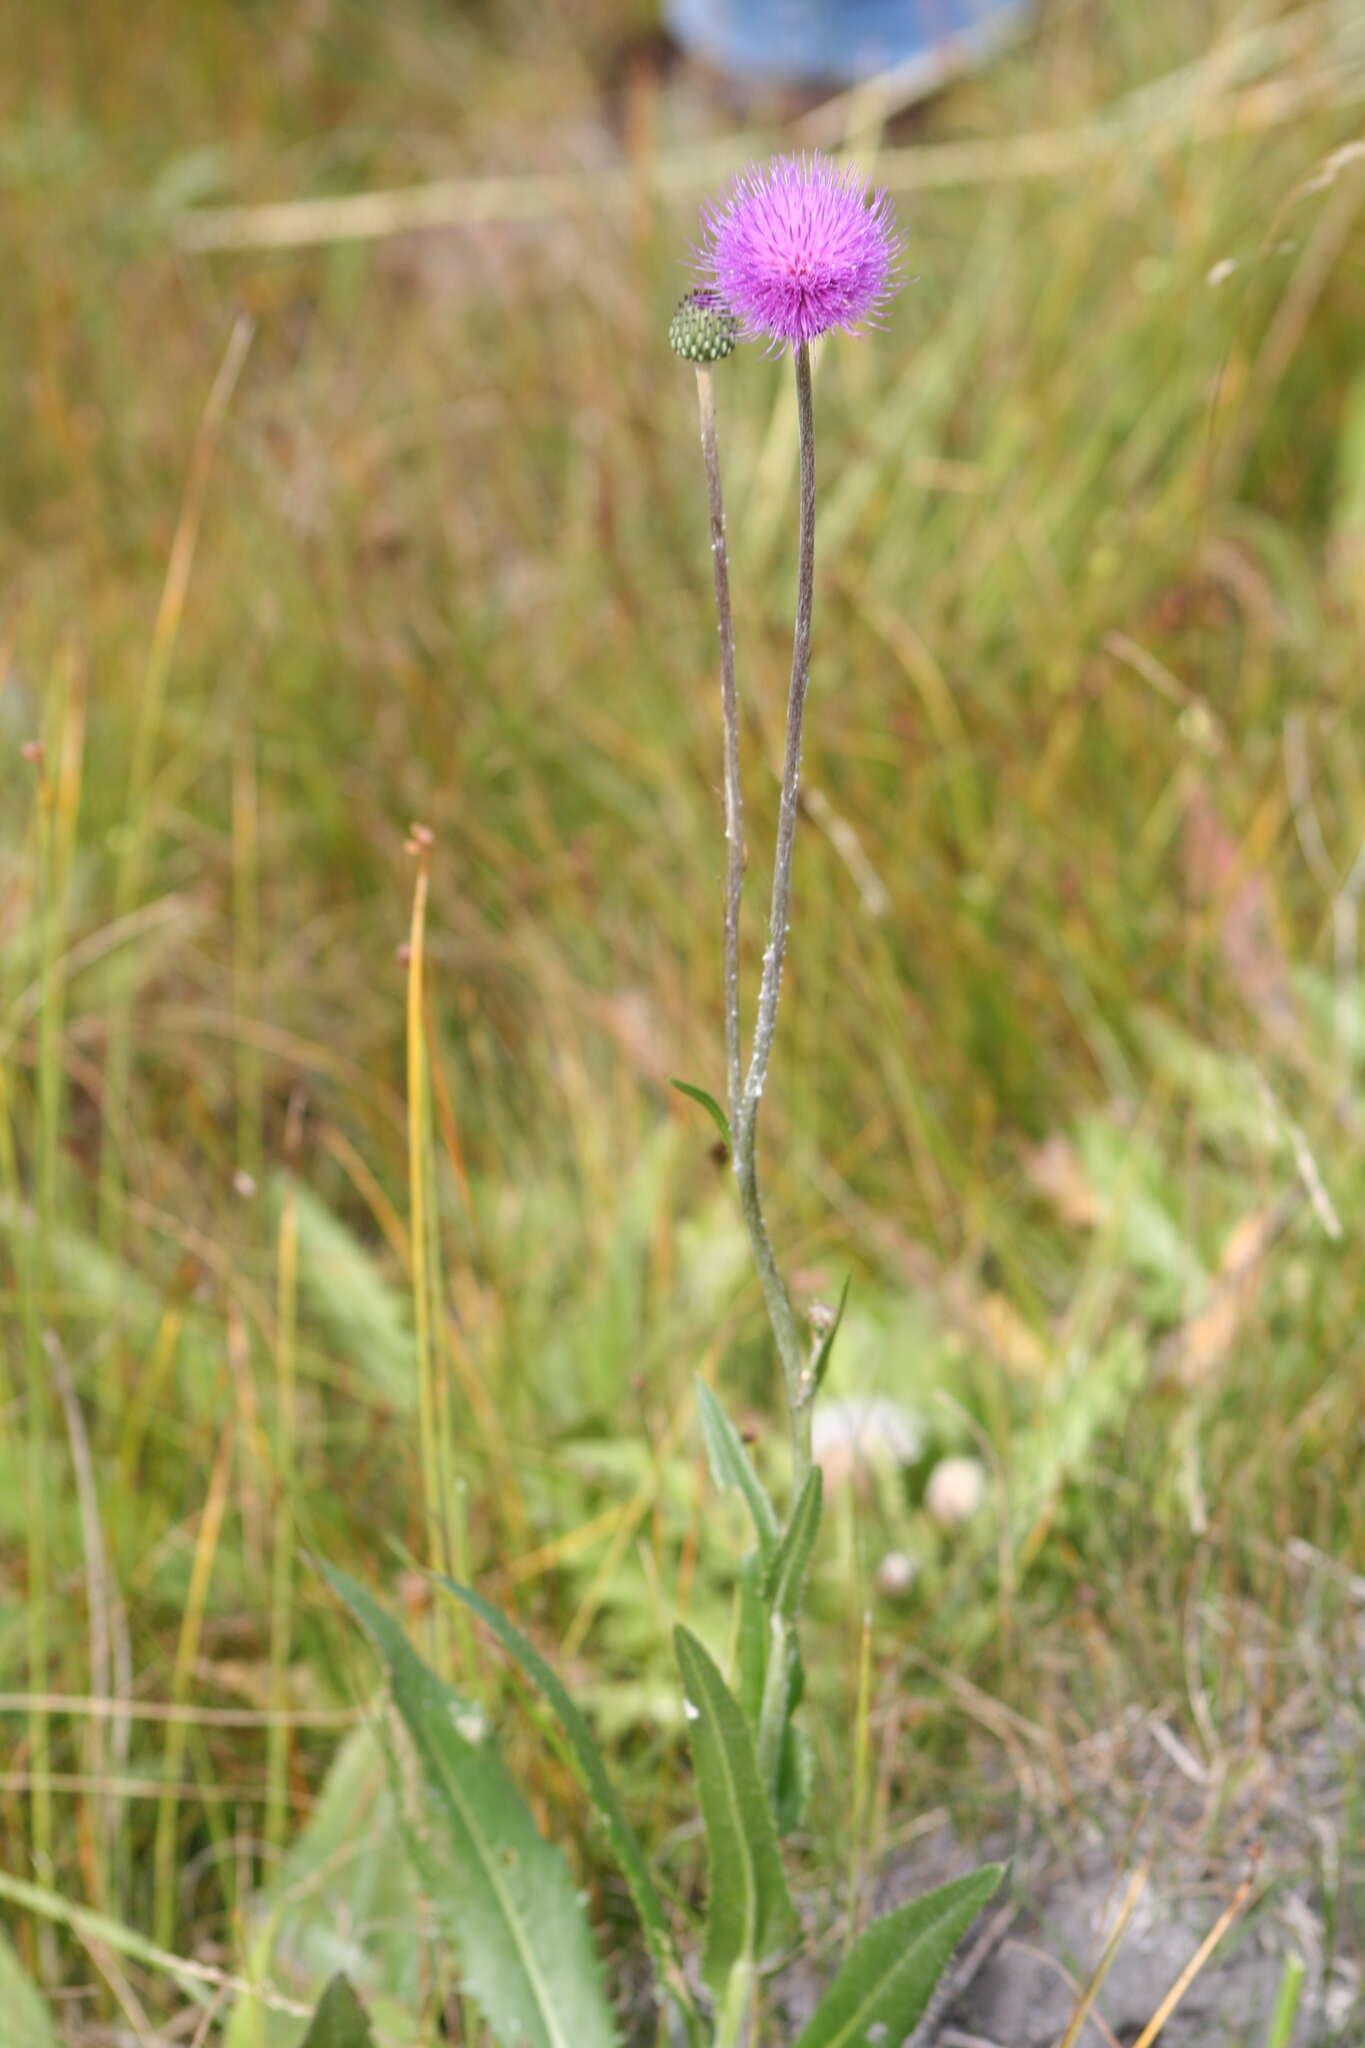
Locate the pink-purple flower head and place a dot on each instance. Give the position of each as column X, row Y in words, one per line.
column 798, row 246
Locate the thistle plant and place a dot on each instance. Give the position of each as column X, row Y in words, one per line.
column 794, row 251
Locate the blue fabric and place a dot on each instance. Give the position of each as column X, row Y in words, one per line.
column 843, row 39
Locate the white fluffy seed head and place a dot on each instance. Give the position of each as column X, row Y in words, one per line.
column 956, row 1489
column 896, row 1575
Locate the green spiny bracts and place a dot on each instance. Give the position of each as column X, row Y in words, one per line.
column 703, row 330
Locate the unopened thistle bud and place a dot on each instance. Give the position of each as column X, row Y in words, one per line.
column 703, row 330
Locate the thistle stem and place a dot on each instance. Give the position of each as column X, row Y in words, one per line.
column 744, row 1118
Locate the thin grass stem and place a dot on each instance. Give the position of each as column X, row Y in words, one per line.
column 182, row 1678
column 431, row 1401
column 282, row 1531
column 151, row 704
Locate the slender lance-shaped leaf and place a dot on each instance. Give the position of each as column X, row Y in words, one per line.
column 730, row 1466
column 505, row 1895
column 820, row 1363
column 787, row 1574
column 883, row 1987
column 710, row 1105
column 339, row 2021
column 751, row 1654
column 748, row 1910
column 593, row 1777
column 783, row 1678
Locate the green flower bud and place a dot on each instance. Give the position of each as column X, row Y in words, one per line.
column 703, row 330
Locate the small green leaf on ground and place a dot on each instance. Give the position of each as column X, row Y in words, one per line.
column 889, row 1976
column 339, row 2021
column 748, row 1909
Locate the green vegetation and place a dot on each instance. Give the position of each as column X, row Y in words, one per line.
column 301, row 545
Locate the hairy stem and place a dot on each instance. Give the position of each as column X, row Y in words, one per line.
column 786, row 1329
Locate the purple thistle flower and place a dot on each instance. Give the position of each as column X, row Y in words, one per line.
column 798, row 246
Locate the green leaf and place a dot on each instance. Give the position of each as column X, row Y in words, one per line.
column 710, row 1105
column 787, row 1574
column 795, row 1778
column 339, row 2021
column 888, row 1978
column 593, row 1777
column 344, row 1894
column 730, row 1466
column 26, row 2022
column 820, row 1362
column 505, row 1895
column 752, row 1650
column 748, row 1911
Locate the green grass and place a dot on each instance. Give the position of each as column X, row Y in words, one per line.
column 1088, row 737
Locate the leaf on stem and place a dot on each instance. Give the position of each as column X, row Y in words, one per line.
column 504, row 1894
column 731, row 1466
column 751, row 1656
column 820, row 1363
column 786, row 1581
column 748, row 1909
column 784, row 1759
column 710, row 1105
column 889, row 1976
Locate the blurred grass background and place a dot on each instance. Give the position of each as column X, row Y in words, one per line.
column 301, row 544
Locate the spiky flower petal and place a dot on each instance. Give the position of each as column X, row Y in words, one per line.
column 798, row 246
column 703, row 330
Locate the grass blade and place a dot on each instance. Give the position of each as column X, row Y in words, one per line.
column 748, row 1910
column 880, row 1992
column 1280, row 2032
column 504, row 1893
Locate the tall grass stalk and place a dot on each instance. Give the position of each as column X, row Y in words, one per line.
column 433, row 1393
column 55, row 814
column 862, row 1780
column 246, row 954
column 164, row 1872
column 282, row 1537
column 136, row 833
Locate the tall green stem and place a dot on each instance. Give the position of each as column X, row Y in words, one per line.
column 790, row 1344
